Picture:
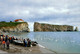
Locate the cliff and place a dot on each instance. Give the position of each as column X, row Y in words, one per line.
column 47, row 27
column 14, row 27
column 76, row 29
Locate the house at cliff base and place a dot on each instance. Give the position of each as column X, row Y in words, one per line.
column 18, row 20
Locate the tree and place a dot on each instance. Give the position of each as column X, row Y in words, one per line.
column 10, row 21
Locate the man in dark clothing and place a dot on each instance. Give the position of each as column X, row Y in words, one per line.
column 24, row 42
column 29, row 43
column 7, row 43
column 6, row 38
column 13, row 38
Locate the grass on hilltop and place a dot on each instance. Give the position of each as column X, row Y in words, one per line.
column 6, row 24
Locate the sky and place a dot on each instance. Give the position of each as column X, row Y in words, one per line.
column 59, row 12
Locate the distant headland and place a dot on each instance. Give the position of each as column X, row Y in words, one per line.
column 42, row 27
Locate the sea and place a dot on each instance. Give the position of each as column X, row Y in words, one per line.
column 59, row 42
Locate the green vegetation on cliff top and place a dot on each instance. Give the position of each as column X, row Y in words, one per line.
column 7, row 24
column 53, row 24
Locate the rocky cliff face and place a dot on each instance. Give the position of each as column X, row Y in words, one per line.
column 47, row 27
column 76, row 29
column 22, row 27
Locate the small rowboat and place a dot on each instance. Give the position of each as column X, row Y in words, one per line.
column 18, row 42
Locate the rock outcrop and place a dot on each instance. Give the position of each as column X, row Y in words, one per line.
column 76, row 29
column 38, row 27
column 22, row 27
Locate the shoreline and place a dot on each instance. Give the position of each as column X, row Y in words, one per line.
column 20, row 49
column 45, row 50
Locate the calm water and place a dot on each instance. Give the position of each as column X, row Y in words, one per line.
column 60, row 42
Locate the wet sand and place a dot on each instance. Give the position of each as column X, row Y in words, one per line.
column 22, row 49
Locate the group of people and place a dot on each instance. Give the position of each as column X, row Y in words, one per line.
column 5, row 41
column 27, row 43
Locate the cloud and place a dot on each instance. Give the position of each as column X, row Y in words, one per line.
column 46, row 11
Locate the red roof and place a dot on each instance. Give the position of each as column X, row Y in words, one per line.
column 19, row 20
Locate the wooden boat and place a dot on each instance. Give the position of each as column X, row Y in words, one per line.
column 18, row 42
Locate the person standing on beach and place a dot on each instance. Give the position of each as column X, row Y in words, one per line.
column 7, row 43
column 10, row 39
column 6, row 38
column 1, row 39
column 13, row 38
column 3, row 43
column 29, row 43
column 3, row 36
column 24, row 42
